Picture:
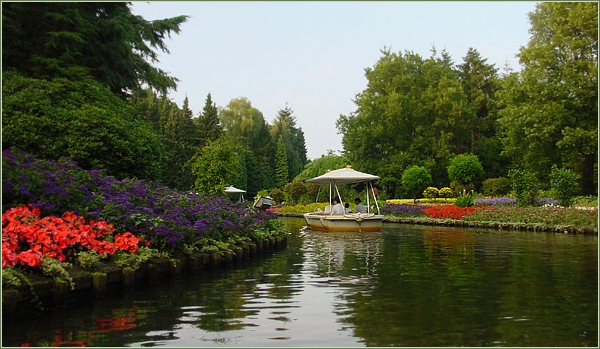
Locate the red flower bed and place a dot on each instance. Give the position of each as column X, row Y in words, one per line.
column 26, row 237
column 449, row 211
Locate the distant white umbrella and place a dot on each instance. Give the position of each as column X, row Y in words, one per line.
column 234, row 190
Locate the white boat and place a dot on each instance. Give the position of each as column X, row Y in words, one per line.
column 326, row 221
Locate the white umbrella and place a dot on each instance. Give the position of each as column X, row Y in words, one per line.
column 234, row 190
column 343, row 176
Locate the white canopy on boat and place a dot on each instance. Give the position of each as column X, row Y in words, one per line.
column 233, row 190
column 343, row 176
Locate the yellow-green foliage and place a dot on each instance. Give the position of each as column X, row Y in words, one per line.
column 422, row 201
column 300, row 208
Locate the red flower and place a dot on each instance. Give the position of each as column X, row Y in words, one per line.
column 449, row 211
column 26, row 237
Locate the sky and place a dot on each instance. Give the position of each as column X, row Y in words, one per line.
column 311, row 56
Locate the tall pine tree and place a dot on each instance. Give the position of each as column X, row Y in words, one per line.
column 207, row 122
column 281, row 164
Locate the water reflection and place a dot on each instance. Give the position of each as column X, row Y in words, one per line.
column 404, row 286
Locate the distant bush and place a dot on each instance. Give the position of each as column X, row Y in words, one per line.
column 564, row 185
column 277, row 195
column 465, row 201
column 496, row 186
column 525, row 187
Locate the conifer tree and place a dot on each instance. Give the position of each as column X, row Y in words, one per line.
column 103, row 41
column 281, row 165
column 207, row 122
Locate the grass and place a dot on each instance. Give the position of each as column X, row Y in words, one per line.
column 553, row 216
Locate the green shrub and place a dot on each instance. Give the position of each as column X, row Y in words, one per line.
column 525, row 187
column 465, row 169
column 89, row 259
column 277, row 195
column 496, row 186
column 461, row 189
column 564, row 185
column 416, row 179
column 465, row 200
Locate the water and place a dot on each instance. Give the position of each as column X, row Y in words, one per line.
column 405, row 286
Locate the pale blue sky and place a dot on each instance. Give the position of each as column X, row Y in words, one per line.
column 312, row 55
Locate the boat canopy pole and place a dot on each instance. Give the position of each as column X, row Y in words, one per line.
column 317, row 201
column 368, row 205
column 338, row 193
column 374, row 197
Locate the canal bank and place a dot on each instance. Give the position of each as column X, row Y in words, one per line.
column 406, row 286
column 563, row 229
column 44, row 292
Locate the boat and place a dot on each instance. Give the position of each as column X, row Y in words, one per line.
column 326, row 221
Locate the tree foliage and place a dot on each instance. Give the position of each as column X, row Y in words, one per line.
column 79, row 119
column 207, row 123
column 465, row 169
column 284, row 126
column 416, row 179
column 281, row 165
column 550, row 114
column 99, row 40
column 245, row 125
column 321, row 165
column 216, row 166
column 413, row 111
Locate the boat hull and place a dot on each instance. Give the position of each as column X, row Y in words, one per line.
column 348, row 222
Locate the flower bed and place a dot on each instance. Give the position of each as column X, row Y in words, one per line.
column 58, row 218
column 450, row 211
column 26, row 237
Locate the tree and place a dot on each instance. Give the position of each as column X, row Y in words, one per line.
column 284, row 126
column 207, row 123
column 101, row 40
column 550, row 113
column 416, row 179
column 179, row 138
column 465, row 169
column 321, row 165
column 281, row 165
column 216, row 166
column 80, row 119
column 411, row 113
column 245, row 125
column 480, row 82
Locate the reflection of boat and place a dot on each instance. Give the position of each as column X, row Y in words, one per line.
column 368, row 221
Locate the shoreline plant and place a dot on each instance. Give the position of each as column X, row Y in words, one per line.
column 56, row 214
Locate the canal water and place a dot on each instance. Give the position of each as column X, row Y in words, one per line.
column 404, row 286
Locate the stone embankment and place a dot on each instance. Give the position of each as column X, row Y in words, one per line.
column 44, row 292
column 567, row 229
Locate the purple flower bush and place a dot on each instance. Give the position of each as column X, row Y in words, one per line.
column 403, row 209
column 501, row 201
column 167, row 218
column 511, row 201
